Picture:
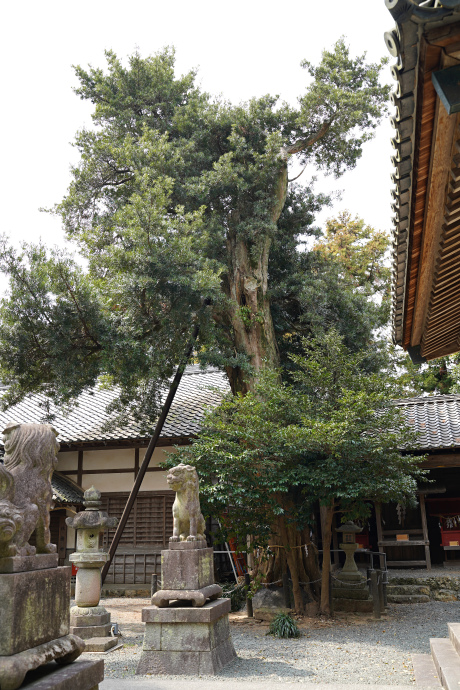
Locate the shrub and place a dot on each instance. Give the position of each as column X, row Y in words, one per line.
column 283, row 626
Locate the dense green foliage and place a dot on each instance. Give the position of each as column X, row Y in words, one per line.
column 179, row 197
column 332, row 437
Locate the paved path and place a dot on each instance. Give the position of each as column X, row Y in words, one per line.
column 165, row 684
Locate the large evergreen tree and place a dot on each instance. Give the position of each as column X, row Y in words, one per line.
column 180, row 197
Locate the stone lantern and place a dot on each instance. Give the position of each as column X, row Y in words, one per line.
column 87, row 619
column 349, row 531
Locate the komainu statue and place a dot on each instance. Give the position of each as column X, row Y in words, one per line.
column 188, row 522
column 25, row 488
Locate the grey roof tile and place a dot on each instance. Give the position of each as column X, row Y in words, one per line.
column 197, row 389
column 436, row 420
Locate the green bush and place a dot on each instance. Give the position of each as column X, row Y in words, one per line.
column 283, row 626
column 236, row 594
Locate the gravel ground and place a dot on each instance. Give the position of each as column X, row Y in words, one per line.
column 349, row 649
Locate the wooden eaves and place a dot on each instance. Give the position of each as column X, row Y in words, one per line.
column 426, row 284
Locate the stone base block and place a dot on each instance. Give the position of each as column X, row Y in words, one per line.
column 184, row 640
column 82, row 617
column 187, row 663
column 100, row 644
column 19, row 564
column 14, row 668
column 34, row 608
column 83, row 674
column 90, row 631
column 353, row 605
column 187, row 569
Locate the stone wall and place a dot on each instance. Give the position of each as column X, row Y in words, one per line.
column 436, row 588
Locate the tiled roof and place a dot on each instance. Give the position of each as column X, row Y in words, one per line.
column 436, row 420
column 65, row 492
column 85, row 422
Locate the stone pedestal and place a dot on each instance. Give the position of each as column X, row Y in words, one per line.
column 36, row 647
column 34, row 622
column 351, row 593
column 187, row 574
column 183, row 640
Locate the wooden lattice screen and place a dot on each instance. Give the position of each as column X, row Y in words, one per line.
column 150, row 523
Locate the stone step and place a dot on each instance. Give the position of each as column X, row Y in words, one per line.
column 408, row 589
column 447, row 662
column 426, row 675
column 454, row 635
column 408, row 598
column 342, row 593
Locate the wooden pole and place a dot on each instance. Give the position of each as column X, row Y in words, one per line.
column 149, row 452
column 426, row 539
column 375, row 594
column 247, row 582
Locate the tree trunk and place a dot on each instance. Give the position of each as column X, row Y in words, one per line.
column 288, row 548
column 250, row 319
column 327, row 514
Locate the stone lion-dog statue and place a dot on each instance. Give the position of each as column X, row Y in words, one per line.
column 25, row 488
column 188, row 522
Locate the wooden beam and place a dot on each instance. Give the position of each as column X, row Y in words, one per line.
column 444, row 131
column 80, row 468
column 136, row 462
column 442, row 460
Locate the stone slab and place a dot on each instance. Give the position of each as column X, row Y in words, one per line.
column 197, row 596
column 100, row 644
column 83, row 674
column 187, row 545
column 186, row 614
column 89, row 631
column 19, row 564
column 13, row 668
column 192, row 569
column 34, row 608
column 186, row 662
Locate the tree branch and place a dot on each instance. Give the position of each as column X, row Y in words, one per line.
column 302, row 144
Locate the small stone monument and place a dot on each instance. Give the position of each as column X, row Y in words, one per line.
column 34, row 591
column 187, row 629
column 87, row 619
column 350, row 590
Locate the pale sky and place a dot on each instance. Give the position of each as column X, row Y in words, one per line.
column 241, row 48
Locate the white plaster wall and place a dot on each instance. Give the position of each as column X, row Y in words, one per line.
column 107, row 459
column 67, row 461
column 70, row 531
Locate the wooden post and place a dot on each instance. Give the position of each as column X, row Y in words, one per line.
column 154, row 584
column 380, row 588
column 425, row 531
column 247, row 582
column 331, row 601
column 378, row 520
column 375, row 594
